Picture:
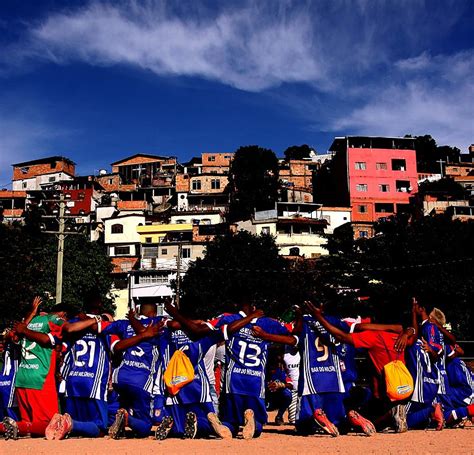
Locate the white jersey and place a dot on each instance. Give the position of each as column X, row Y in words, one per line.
column 292, row 359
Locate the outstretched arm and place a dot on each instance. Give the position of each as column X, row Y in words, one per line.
column 290, row 340
column 195, row 328
column 42, row 339
column 235, row 326
column 91, row 324
column 34, row 310
column 337, row 333
column 149, row 332
column 395, row 328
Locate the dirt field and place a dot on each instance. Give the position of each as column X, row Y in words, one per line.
column 274, row 440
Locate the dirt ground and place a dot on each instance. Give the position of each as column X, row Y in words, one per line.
column 274, row 440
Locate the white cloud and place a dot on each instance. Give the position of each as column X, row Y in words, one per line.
column 426, row 95
column 241, row 47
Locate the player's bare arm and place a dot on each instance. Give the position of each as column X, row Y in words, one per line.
column 150, row 331
column 334, row 331
column 23, row 331
column 289, row 340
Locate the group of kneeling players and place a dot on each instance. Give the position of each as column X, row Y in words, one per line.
column 66, row 375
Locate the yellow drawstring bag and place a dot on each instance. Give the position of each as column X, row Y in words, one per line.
column 178, row 373
column 398, row 380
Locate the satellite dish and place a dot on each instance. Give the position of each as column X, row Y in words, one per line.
column 162, row 207
column 102, row 172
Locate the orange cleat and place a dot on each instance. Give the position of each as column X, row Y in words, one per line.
column 53, row 425
column 321, row 419
column 356, row 420
column 437, row 416
column 64, row 427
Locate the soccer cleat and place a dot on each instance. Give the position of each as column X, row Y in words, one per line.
column 50, row 432
column 248, row 430
column 221, row 430
column 190, row 426
column 356, row 420
column 321, row 419
column 437, row 416
column 279, row 421
column 399, row 418
column 163, row 428
column 64, row 427
column 118, row 427
column 11, row 428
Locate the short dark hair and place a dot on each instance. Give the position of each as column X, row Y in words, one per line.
column 64, row 307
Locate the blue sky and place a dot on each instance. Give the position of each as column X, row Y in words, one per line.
column 97, row 81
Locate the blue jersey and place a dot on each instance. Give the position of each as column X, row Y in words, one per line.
column 86, row 366
column 459, row 376
column 435, row 340
column 246, row 355
column 11, row 357
column 320, row 365
column 197, row 391
column 139, row 363
column 424, row 373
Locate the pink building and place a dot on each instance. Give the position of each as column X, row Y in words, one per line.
column 375, row 176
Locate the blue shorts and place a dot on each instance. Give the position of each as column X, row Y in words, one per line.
column 233, row 406
column 158, row 409
column 136, row 401
column 179, row 411
column 87, row 410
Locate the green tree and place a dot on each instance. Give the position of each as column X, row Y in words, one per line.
column 431, row 257
column 428, row 154
column 253, row 181
column 298, row 152
column 28, row 268
column 235, row 265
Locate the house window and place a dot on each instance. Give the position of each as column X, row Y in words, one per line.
column 211, row 158
column 196, row 184
column 164, row 251
column 24, row 170
column 122, row 250
column 361, row 187
column 150, row 251
column 227, row 157
column 384, row 188
column 52, row 179
column 148, row 239
column 215, row 184
column 384, row 208
column 363, row 234
column 266, row 230
column 111, row 181
column 399, row 165
column 360, row 165
column 186, row 253
column 53, row 165
column 362, row 209
column 24, row 185
column 381, row 166
column 117, row 229
column 180, row 221
column 295, row 251
column 403, row 186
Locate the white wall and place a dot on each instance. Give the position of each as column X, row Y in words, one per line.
column 34, row 183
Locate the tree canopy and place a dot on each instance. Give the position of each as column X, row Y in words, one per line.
column 298, row 152
column 431, row 258
column 253, row 181
column 428, row 154
column 28, row 268
column 235, row 266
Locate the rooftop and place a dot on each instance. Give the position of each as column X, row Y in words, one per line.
column 46, row 160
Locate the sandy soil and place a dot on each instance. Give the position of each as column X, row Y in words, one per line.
column 274, row 440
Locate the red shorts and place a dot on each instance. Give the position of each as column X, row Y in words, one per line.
column 37, row 407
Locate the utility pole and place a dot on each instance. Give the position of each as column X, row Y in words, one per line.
column 60, row 259
column 61, row 235
column 178, row 273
